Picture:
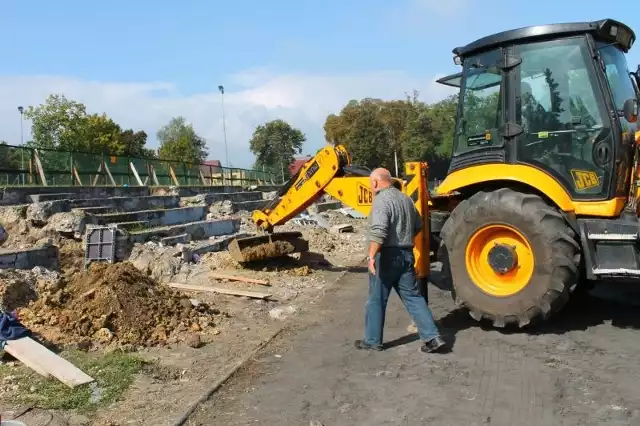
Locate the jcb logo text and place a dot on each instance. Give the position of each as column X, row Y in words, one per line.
column 365, row 196
column 585, row 179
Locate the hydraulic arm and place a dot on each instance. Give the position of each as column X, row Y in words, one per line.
column 330, row 172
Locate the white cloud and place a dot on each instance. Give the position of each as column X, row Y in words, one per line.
column 304, row 100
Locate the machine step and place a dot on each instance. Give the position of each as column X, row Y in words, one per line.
column 610, row 248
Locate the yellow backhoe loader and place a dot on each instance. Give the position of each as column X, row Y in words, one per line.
column 541, row 193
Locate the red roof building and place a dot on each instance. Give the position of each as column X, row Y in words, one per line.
column 297, row 164
column 211, row 166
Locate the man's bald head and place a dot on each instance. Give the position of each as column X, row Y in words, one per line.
column 380, row 178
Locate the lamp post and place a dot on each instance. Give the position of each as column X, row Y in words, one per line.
column 224, row 126
column 21, row 111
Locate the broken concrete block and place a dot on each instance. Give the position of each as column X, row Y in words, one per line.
column 323, row 207
column 338, row 229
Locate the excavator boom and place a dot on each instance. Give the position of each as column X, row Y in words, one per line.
column 330, row 172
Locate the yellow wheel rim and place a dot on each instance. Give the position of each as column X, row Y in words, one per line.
column 499, row 260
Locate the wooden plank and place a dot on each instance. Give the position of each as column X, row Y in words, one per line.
column 189, row 287
column 106, row 169
column 95, row 179
column 237, row 278
column 154, row 177
column 77, row 176
column 202, row 178
column 42, row 360
column 43, row 177
column 135, row 173
column 173, row 176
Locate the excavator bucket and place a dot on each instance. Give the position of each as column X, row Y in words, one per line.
column 262, row 247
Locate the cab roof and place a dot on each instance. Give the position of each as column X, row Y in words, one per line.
column 606, row 29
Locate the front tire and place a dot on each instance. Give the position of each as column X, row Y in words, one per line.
column 509, row 256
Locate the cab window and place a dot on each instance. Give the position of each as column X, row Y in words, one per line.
column 561, row 117
column 620, row 83
column 479, row 102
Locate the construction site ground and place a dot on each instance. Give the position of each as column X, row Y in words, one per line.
column 183, row 353
column 155, row 350
column 580, row 369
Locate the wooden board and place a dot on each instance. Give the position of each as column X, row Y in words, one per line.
column 135, row 173
column 189, row 287
column 43, row 177
column 46, row 363
column 237, row 278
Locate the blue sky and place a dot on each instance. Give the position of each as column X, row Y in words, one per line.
column 145, row 61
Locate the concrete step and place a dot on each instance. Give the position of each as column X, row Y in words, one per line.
column 128, row 226
column 19, row 195
column 198, row 230
column 42, row 211
column 95, row 210
column 39, row 198
column 160, row 217
column 211, row 198
column 249, row 205
column 215, row 244
column 47, row 257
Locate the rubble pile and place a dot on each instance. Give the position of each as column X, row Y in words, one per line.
column 20, row 287
column 116, row 303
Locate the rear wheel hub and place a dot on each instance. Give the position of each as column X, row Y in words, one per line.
column 503, row 258
column 499, row 260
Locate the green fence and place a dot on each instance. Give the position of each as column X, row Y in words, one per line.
column 28, row 166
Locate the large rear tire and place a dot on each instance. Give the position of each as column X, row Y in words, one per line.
column 510, row 257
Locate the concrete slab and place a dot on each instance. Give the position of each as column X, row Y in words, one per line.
column 160, row 217
column 19, row 195
column 177, row 239
column 218, row 197
column 216, row 244
column 37, row 198
column 198, row 230
column 323, row 207
column 128, row 226
column 40, row 212
column 249, row 205
column 47, row 257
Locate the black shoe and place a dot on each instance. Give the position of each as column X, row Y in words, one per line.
column 360, row 344
column 433, row 345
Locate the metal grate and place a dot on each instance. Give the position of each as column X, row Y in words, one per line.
column 100, row 245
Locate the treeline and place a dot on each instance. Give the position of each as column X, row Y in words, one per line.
column 374, row 131
column 64, row 124
column 377, row 132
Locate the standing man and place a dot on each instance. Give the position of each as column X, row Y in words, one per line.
column 394, row 223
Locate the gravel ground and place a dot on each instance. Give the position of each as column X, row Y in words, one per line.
column 579, row 369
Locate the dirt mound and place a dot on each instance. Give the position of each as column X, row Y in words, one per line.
column 267, row 250
column 20, row 287
column 116, row 303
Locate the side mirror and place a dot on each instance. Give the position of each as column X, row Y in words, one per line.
column 630, row 110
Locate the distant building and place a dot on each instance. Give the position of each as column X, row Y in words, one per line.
column 211, row 166
column 297, row 164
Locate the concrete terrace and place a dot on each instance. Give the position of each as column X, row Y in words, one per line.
column 169, row 215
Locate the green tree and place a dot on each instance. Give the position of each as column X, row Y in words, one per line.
column 275, row 145
column 375, row 131
column 64, row 124
column 134, row 144
column 180, row 142
column 59, row 123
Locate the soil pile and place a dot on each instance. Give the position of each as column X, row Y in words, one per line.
column 267, row 250
column 20, row 287
column 116, row 303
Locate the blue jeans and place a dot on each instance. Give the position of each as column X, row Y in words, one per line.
column 395, row 270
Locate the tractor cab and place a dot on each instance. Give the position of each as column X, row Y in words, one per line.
column 558, row 97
